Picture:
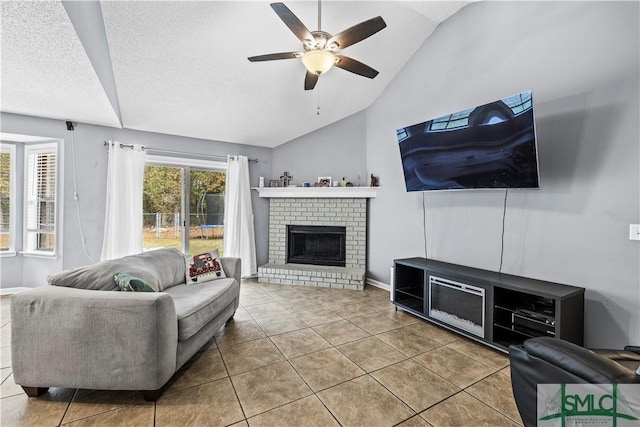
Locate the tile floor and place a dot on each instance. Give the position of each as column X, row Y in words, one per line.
column 298, row 356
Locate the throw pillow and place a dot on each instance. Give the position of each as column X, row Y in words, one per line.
column 128, row 283
column 204, row 267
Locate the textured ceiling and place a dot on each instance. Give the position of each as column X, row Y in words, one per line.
column 181, row 67
column 45, row 70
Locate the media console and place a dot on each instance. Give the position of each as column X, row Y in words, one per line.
column 493, row 308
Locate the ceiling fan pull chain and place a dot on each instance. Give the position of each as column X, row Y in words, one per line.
column 318, row 110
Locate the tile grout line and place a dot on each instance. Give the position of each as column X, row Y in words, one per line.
column 67, row 408
column 235, row 392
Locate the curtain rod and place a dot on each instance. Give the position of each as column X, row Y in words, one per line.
column 183, row 153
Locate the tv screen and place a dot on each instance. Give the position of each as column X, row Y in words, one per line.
column 489, row 146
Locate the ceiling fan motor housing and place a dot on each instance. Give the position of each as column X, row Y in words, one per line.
column 320, row 39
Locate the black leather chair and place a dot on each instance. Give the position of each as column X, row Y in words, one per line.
column 547, row 360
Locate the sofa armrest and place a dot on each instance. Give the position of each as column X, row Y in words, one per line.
column 67, row 337
column 232, row 267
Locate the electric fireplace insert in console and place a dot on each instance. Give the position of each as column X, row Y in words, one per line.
column 457, row 304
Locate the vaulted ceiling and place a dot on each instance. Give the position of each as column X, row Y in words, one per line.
column 181, row 68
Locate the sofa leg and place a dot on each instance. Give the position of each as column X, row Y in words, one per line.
column 35, row 391
column 152, row 395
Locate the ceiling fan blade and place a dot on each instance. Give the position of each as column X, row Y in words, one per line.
column 274, row 56
column 290, row 20
column 310, row 80
column 356, row 67
column 358, row 32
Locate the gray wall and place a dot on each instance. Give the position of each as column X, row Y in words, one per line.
column 581, row 61
column 334, row 151
column 91, row 171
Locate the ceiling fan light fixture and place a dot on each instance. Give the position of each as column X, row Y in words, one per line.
column 318, row 61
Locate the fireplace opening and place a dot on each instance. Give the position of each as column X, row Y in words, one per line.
column 316, row 245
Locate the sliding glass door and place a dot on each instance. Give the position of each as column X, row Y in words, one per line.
column 183, row 208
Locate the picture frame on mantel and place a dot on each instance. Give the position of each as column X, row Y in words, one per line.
column 324, row 181
column 274, row 183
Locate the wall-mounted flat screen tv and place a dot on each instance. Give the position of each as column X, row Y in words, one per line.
column 489, row 146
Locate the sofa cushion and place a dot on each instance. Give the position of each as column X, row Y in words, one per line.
column 203, row 267
column 160, row 269
column 129, row 283
column 197, row 304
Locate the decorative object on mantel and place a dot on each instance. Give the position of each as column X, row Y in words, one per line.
column 324, row 181
column 273, row 183
column 306, row 184
column 285, row 177
column 261, row 182
column 374, row 181
column 317, row 192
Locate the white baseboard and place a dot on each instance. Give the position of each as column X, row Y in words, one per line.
column 12, row 291
column 378, row 284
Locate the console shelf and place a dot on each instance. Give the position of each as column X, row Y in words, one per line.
column 509, row 310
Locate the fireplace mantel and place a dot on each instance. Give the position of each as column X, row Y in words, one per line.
column 317, row 192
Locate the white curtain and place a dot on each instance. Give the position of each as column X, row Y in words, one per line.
column 239, row 235
column 123, row 216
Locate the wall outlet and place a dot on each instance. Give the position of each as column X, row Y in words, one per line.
column 634, row 232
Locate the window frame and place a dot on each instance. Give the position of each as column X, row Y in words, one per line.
column 28, row 250
column 13, row 200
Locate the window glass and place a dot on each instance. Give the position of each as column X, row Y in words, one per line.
column 7, row 198
column 162, row 207
column 206, row 228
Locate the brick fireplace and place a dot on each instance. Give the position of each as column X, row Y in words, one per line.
column 341, row 208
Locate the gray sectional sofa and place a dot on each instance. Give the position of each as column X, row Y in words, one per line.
column 81, row 331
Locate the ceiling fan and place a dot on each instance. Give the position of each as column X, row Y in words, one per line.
column 321, row 48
